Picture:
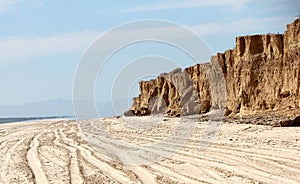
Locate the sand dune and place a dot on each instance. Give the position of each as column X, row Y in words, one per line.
column 146, row 150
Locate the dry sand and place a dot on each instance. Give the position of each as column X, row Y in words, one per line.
column 100, row 151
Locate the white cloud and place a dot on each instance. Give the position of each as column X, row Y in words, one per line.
column 236, row 4
column 244, row 25
column 10, row 5
column 21, row 49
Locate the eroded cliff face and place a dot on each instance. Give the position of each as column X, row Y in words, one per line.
column 261, row 73
column 175, row 93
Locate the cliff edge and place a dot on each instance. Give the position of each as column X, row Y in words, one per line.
column 262, row 73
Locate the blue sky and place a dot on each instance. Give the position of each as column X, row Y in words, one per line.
column 41, row 42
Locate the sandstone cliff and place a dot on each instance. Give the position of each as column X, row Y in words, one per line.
column 261, row 73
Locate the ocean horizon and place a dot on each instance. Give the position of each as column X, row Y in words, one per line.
column 4, row 120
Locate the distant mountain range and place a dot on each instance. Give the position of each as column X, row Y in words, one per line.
column 49, row 108
column 56, row 107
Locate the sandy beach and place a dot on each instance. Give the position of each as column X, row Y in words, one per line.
column 123, row 150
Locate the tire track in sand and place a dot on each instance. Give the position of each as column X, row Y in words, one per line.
column 227, row 159
column 7, row 158
column 230, row 154
column 108, row 170
column 34, row 162
column 75, row 173
column 140, row 171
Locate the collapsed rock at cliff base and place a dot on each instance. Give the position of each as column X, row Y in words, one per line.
column 262, row 73
column 291, row 122
column 129, row 113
